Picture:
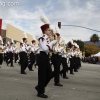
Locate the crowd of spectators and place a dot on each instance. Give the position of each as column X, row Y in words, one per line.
column 93, row 60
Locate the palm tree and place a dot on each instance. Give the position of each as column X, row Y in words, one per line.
column 94, row 38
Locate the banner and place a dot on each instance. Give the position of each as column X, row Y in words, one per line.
column 0, row 26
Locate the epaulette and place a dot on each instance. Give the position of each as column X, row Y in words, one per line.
column 41, row 38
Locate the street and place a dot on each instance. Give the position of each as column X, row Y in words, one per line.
column 84, row 85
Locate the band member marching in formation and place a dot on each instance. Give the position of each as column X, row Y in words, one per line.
column 71, row 57
column 11, row 51
column 56, row 59
column 32, row 55
column 16, row 54
column 23, row 55
column 64, row 60
column 1, row 51
column 44, row 68
column 21, row 42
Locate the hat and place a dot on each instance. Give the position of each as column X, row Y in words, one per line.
column 71, row 43
column 52, row 27
column 8, row 43
column 25, row 37
column 12, row 41
column 57, row 31
column 57, row 34
column 46, row 22
column 21, row 42
column 75, row 45
column 33, row 41
column 1, row 39
column 44, row 27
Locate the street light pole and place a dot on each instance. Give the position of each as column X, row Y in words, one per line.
column 81, row 27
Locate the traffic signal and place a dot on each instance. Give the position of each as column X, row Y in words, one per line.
column 59, row 24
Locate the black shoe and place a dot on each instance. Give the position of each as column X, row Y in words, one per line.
column 75, row 71
column 36, row 88
column 66, row 77
column 72, row 73
column 23, row 73
column 31, row 70
column 42, row 95
column 11, row 66
column 58, row 84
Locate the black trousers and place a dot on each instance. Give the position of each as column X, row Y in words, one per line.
column 55, row 59
column 32, row 60
column 71, row 64
column 75, row 63
column 36, row 57
column 65, row 66
column 11, row 58
column 16, row 57
column 23, row 61
column 44, row 71
column 1, row 58
column 7, row 57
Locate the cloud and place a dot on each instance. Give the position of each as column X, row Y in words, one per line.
column 26, row 16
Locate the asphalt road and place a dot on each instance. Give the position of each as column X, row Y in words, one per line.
column 84, row 85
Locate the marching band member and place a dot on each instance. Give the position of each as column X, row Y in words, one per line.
column 21, row 42
column 72, row 57
column 78, row 57
column 75, row 58
column 64, row 62
column 7, row 53
column 23, row 55
column 44, row 68
column 11, row 50
column 1, row 51
column 56, row 60
column 32, row 56
column 16, row 54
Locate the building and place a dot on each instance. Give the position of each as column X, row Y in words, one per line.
column 16, row 34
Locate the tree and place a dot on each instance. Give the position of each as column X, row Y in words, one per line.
column 94, row 38
column 91, row 49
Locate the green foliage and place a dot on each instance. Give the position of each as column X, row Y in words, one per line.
column 80, row 43
column 91, row 49
column 94, row 38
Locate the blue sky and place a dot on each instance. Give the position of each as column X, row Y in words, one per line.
column 26, row 16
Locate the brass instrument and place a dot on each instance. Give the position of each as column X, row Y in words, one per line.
column 54, row 37
column 62, row 44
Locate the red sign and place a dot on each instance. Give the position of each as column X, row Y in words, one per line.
column 0, row 26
